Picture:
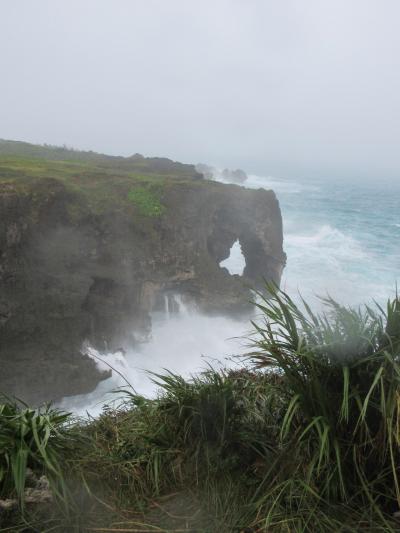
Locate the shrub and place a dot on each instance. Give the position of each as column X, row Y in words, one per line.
column 147, row 201
column 339, row 440
column 309, row 439
column 29, row 438
column 192, row 428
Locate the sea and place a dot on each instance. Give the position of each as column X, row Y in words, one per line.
column 342, row 239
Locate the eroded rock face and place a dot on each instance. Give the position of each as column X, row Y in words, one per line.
column 65, row 277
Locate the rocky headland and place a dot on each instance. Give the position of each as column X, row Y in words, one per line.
column 91, row 244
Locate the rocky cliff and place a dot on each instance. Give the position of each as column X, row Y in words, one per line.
column 90, row 245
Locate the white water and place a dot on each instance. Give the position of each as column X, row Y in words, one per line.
column 183, row 343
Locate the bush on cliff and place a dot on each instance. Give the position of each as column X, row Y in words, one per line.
column 306, row 440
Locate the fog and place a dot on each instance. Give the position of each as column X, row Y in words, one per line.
column 288, row 88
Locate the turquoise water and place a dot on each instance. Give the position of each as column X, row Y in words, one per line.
column 341, row 239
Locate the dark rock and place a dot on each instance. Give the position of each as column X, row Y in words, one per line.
column 69, row 274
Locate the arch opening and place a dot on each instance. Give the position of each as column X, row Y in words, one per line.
column 236, row 262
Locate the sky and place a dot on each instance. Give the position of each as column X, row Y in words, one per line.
column 289, row 88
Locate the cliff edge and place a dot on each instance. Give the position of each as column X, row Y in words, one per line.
column 90, row 245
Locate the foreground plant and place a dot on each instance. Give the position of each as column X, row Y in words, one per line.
column 339, row 441
column 29, row 438
column 306, row 439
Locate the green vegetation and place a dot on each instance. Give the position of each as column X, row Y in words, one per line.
column 29, row 439
column 136, row 164
column 304, row 439
column 87, row 188
column 147, row 200
column 90, row 183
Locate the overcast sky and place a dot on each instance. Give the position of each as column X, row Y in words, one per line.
column 287, row 88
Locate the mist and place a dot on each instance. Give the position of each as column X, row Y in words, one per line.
column 190, row 351
column 290, row 89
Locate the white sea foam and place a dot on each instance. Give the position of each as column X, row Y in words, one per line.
column 278, row 185
column 186, row 343
column 326, row 243
column 328, row 261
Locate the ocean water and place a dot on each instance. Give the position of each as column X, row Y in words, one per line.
column 341, row 240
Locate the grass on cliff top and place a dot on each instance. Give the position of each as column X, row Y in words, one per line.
column 94, row 188
column 94, row 183
column 306, row 439
column 136, row 163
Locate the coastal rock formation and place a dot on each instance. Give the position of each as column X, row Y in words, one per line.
column 88, row 257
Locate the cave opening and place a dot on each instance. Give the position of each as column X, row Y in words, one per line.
column 236, row 262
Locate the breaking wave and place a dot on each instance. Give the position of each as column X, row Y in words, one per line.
column 184, row 343
column 327, row 244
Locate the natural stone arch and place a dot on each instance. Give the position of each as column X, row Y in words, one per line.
column 235, row 263
column 254, row 225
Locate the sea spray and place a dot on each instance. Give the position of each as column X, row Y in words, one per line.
column 185, row 342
